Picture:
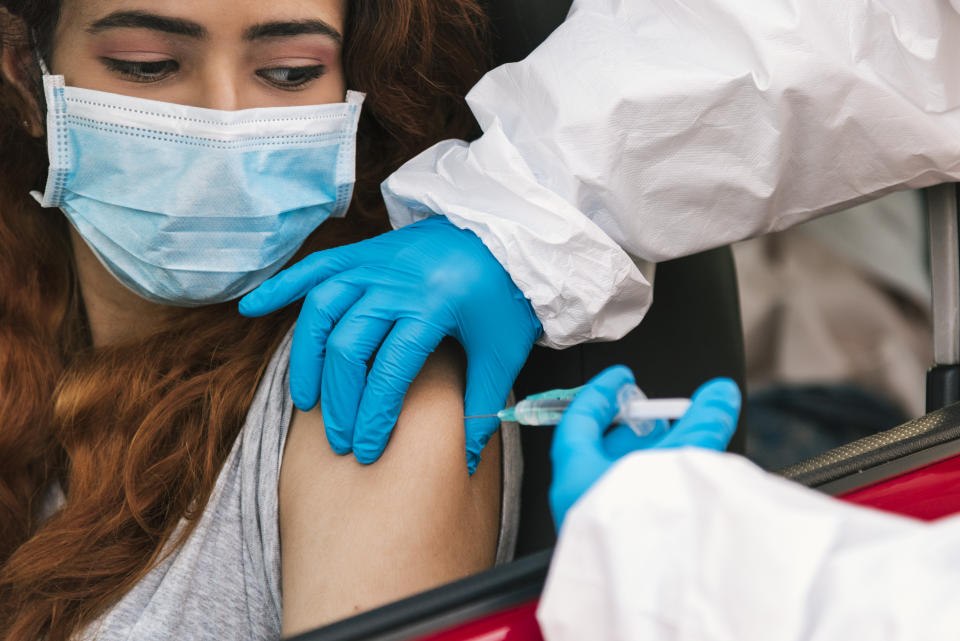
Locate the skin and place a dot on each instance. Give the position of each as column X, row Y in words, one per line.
column 353, row 537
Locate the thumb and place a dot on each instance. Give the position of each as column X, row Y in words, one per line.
column 294, row 282
column 711, row 419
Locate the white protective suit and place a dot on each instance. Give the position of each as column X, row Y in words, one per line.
column 660, row 128
column 692, row 545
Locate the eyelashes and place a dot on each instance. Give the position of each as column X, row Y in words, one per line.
column 289, row 78
column 137, row 71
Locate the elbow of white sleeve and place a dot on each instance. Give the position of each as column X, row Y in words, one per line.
column 581, row 284
column 708, row 543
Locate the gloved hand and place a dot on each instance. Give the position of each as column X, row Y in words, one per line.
column 400, row 293
column 581, row 453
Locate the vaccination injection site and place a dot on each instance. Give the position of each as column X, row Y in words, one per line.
column 479, row 320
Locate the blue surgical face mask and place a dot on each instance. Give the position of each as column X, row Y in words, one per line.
column 189, row 206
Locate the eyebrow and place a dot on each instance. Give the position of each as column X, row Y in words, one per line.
column 152, row 21
column 181, row 27
column 290, row 28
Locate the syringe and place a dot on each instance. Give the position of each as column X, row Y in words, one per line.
column 635, row 409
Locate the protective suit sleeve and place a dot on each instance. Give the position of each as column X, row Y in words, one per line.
column 694, row 545
column 660, row 129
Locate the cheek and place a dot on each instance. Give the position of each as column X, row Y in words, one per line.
column 72, row 59
column 338, row 77
column 331, row 88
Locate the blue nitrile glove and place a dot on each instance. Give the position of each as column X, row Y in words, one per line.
column 400, row 293
column 581, row 453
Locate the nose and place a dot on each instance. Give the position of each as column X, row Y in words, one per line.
column 218, row 85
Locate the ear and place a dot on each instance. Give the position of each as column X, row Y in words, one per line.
column 18, row 71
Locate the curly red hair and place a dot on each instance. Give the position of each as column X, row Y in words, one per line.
column 137, row 433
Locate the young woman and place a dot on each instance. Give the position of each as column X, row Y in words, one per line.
column 143, row 422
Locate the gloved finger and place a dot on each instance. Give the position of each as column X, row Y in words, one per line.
column 488, row 386
column 294, row 282
column 352, row 343
column 622, row 440
column 400, row 359
column 589, row 415
column 324, row 306
column 711, row 419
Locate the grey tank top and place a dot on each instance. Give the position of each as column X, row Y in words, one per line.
column 224, row 581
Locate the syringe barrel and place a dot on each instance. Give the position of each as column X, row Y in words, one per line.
column 628, row 394
column 641, row 414
column 541, row 411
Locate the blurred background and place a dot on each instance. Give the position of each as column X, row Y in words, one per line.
column 837, row 328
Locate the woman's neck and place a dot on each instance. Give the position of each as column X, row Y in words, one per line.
column 115, row 314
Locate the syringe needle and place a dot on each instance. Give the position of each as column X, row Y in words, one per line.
column 481, row 416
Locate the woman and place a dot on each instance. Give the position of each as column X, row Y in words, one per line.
column 142, row 428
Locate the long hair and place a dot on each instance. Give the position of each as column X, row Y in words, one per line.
column 136, row 433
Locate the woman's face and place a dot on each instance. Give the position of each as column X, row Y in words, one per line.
column 218, row 54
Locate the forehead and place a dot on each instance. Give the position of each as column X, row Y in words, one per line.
column 219, row 17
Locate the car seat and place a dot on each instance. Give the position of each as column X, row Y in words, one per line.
column 692, row 332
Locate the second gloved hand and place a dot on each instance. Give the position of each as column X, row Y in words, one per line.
column 583, row 450
column 397, row 296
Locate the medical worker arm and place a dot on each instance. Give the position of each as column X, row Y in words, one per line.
column 652, row 129
column 660, row 129
column 695, row 544
column 355, row 537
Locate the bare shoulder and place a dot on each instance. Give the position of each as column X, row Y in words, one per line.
column 354, row 537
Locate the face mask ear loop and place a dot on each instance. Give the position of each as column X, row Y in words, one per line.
column 39, row 56
column 43, row 65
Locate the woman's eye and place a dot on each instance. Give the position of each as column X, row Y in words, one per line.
column 151, row 71
column 291, row 77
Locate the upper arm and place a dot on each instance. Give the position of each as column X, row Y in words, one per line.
column 354, row 537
